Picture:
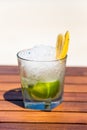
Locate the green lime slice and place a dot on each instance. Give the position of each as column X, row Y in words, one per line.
column 43, row 91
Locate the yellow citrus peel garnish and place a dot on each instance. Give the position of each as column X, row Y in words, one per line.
column 62, row 45
column 59, row 45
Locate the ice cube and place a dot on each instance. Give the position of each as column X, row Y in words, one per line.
column 35, row 69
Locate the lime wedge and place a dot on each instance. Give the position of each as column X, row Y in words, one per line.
column 43, row 91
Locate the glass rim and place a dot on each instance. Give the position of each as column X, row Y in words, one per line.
column 25, row 59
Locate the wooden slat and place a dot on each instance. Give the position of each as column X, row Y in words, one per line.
column 75, row 96
column 9, row 86
column 12, row 105
column 67, row 87
column 70, row 115
column 68, row 79
column 9, row 78
column 41, row 126
column 75, row 80
column 75, row 88
column 11, row 95
column 17, row 95
column 72, row 107
column 49, row 117
column 74, row 71
column 63, row 107
column 9, row 70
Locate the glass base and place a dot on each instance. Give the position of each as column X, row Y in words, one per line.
column 46, row 106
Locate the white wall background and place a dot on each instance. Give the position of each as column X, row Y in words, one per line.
column 25, row 23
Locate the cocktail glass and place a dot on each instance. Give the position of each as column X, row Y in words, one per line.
column 42, row 81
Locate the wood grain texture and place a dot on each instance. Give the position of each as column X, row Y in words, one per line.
column 67, row 87
column 8, row 69
column 41, row 126
column 63, row 107
column 70, row 71
column 48, row 117
column 16, row 94
column 68, row 79
column 71, row 114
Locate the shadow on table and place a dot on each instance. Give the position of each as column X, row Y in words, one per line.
column 14, row 96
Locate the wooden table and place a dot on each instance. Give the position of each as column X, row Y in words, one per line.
column 70, row 115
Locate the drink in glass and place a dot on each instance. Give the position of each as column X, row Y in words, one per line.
column 42, row 77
